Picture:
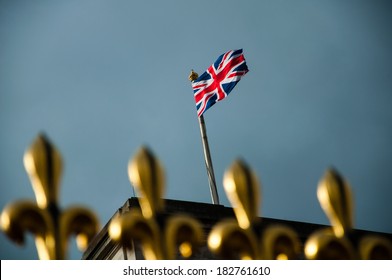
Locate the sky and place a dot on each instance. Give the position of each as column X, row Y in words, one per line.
column 102, row 78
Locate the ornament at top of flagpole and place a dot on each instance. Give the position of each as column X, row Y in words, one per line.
column 193, row 76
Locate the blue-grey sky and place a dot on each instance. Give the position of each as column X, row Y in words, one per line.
column 102, row 78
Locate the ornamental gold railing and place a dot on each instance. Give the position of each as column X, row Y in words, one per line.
column 160, row 237
column 243, row 237
column 51, row 226
column 163, row 236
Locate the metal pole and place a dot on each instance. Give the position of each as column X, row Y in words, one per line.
column 207, row 156
column 207, row 159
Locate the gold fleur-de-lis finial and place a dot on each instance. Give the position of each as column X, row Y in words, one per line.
column 50, row 226
column 160, row 237
column 238, row 238
column 147, row 175
column 336, row 199
column 235, row 239
column 242, row 188
column 334, row 195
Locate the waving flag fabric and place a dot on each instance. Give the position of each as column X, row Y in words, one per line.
column 219, row 80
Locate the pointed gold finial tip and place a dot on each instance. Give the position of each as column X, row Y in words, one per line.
column 43, row 137
column 193, row 76
column 42, row 134
column 332, row 171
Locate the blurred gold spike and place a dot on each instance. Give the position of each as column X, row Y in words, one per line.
column 146, row 174
column 242, row 188
column 375, row 248
column 235, row 239
column 335, row 198
column 230, row 242
column 43, row 164
column 50, row 226
column 280, row 242
column 182, row 233
column 325, row 245
column 133, row 225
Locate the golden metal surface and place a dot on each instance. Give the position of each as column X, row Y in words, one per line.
column 239, row 239
column 334, row 195
column 160, row 238
column 325, row 245
column 335, row 198
column 243, row 238
column 147, row 176
column 43, row 164
column 280, row 242
column 235, row 239
column 50, row 226
column 20, row 217
column 375, row 247
column 242, row 188
column 193, row 76
column 183, row 234
column 164, row 236
column 78, row 221
column 228, row 241
column 133, row 226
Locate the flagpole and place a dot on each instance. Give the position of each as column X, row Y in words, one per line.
column 207, row 155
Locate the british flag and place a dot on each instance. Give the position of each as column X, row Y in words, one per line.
column 219, row 79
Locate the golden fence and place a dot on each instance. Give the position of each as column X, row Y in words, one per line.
column 180, row 234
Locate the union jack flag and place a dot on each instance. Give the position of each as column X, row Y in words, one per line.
column 219, row 79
